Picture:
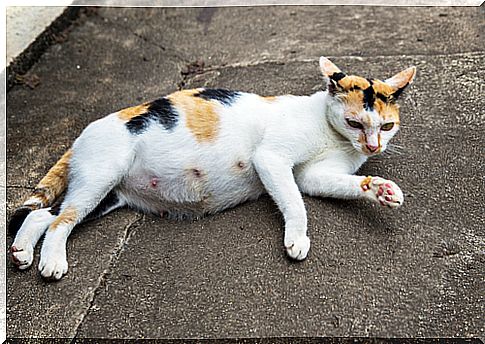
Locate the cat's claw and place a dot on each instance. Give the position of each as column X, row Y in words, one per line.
column 54, row 266
column 22, row 257
column 385, row 192
column 297, row 248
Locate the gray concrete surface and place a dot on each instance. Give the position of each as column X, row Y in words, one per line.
column 417, row 271
column 24, row 24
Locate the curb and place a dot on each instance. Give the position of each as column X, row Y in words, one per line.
column 21, row 64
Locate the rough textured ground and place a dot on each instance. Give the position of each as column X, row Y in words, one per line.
column 417, row 271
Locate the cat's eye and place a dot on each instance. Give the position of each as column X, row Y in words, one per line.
column 387, row 126
column 354, row 124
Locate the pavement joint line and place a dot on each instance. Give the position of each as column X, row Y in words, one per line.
column 20, row 187
column 467, row 53
column 91, row 294
column 256, row 63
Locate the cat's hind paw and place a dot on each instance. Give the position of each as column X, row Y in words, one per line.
column 297, row 247
column 21, row 256
column 382, row 191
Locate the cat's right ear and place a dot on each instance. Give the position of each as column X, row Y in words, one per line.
column 332, row 75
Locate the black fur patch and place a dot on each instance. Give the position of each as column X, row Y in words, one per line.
column 108, row 202
column 333, row 85
column 138, row 124
column 56, row 209
column 226, row 97
column 337, row 76
column 160, row 110
column 17, row 218
column 369, row 96
column 397, row 93
column 384, row 98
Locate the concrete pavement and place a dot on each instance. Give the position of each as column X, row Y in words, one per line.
column 417, row 271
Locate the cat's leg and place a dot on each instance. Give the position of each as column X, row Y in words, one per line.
column 102, row 156
column 84, row 195
column 37, row 222
column 33, row 227
column 276, row 175
column 330, row 178
column 112, row 201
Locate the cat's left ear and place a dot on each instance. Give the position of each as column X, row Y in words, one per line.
column 331, row 73
column 402, row 79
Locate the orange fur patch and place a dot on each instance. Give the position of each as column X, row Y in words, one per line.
column 201, row 115
column 351, row 81
column 353, row 101
column 270, row 98
column 129, row 113
column 43, row 196
column 55, row 181
column 362, row 139
column 67, row 216
column 365, row 184
column 382, row 88
column 388, row 111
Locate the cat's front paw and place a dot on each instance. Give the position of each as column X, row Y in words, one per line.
column 297, row 247
column 53, row 264
column 382, row 191
column 22, row 255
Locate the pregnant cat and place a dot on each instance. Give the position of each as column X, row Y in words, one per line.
column 197, row 152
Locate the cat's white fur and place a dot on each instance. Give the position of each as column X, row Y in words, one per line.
column 287, row 146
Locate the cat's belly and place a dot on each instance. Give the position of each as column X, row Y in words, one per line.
column 191, row 191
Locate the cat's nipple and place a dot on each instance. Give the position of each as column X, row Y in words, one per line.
column 154, row 182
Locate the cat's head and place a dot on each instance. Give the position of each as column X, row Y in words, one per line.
column 365, row 110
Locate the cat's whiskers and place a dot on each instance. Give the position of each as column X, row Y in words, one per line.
column 394, row 149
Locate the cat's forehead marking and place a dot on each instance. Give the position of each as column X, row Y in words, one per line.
column 367, row 94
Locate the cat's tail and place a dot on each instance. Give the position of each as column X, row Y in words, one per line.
column 45, row 194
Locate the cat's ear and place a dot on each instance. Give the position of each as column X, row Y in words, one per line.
column 402, row 79
column 332, row 74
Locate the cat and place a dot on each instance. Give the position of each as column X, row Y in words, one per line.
column 197, row 152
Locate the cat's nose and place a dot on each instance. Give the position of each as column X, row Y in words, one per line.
column 372, row 148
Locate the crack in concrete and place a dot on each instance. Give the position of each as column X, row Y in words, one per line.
column 169, row 50
column 173, row 52
column 91, row 294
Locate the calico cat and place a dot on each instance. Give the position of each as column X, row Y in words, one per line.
column 197, row 152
